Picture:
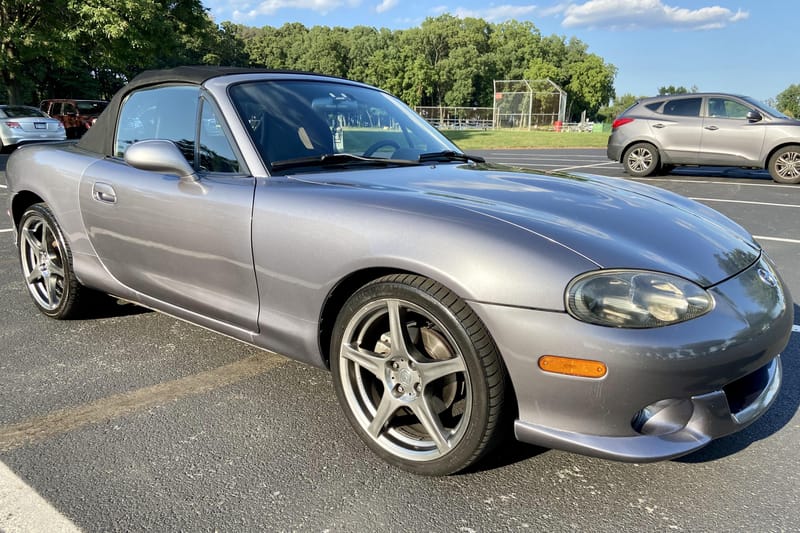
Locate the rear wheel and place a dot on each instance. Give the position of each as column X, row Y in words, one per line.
column 418, row 376
column 641, row 160
column 46, row 262
column 784, row 165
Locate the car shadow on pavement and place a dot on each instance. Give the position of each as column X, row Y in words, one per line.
column 779, row 415
column 104, row 306
column 721, row 172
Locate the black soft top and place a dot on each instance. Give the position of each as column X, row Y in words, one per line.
column 100, row 137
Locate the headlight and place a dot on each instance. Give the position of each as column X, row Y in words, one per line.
column 635, row 299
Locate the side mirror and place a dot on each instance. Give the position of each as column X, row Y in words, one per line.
column 754, row 116
column 159, row 155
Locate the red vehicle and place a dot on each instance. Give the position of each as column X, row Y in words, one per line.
column 76, row 115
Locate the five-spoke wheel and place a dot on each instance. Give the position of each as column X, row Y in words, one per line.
column 418, row 375
column 46, row 263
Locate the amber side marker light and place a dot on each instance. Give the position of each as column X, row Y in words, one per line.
column 570, row 366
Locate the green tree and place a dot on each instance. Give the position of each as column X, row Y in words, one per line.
column 664, row 91
column 28, row 33
column 788, row 101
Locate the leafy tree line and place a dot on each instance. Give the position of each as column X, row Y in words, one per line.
column 89, row 48
column 447, row 61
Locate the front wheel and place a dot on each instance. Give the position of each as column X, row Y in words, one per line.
column 418, row 376
column 641, row 160
column 46, row 262
column 784, row 165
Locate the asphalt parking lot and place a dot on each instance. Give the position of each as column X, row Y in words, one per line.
column 134, row 421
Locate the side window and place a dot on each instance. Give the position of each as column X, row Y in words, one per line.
column 69, row 109
column 726, row 108
column 684, row 107
column 216, row 153
column 162, row 113
column 654, row 106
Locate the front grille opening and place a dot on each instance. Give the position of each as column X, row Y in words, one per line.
column 743, row 392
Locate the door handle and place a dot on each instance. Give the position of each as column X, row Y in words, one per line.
column 659, row 125
column 711, row 128
column 103, row 192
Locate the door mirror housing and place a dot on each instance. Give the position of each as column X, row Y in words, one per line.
column 754, row 116
column 159, row 155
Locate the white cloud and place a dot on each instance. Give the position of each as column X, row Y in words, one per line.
column 636, row 14
column 438, row 10
column 248, row 10
column 496, row 13
column 386, row 5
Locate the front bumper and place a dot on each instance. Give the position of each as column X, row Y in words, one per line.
column 718, row 373
column 711, row 418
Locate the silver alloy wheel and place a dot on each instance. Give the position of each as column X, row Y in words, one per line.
column 787, row 165
column 405, row 380
column 640, row 159
column 42, row 262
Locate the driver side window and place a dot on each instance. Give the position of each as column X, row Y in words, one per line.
column 168, row 113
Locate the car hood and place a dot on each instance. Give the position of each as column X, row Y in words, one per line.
column 614, row 223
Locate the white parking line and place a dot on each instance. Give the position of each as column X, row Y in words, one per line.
column 744, row 202
column 3, row 186
column 796, row 328
column 6, row 230
column 23, row 509
column 586, row 166
column 727, row 183
column 777, row 239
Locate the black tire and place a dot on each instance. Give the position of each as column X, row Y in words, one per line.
column 784, row 165
column 664, row 170
column 434, row 405
column 641, row 160
column 46, row 261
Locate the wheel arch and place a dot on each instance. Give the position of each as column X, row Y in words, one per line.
column 21, row 202
column 765, row 162
column 338, row 296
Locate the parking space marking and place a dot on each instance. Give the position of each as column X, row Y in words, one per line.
column 749, row 202
column 796, row 328
column 105, row 409
column 777, row 239
column 595, row 165
column 3, row 186
column 6, row 230
column 23, row 509
column 769, row 184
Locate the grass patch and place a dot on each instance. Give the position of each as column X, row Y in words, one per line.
column 494, row 139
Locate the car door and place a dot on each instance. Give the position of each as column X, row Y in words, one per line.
column 182, row 241
column 678, row 129
column 729, row 138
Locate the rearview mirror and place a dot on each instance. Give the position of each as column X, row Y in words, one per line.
column 159, row 155
column 754, row 116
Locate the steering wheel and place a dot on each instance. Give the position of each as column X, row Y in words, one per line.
column 374, row 147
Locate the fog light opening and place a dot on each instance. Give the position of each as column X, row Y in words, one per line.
column 663, row 417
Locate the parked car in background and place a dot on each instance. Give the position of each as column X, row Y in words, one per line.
column 707, row 129
column 76, row 115
column 323, row 219
column 21, row 124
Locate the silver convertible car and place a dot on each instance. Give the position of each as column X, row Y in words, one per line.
column 452, row 300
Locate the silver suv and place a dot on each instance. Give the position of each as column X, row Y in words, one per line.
column 656, row 134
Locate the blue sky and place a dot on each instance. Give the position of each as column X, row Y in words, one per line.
column 740, row 46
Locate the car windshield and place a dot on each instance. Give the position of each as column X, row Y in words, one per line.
column 764, row 107
column 297, row 122
column 20, row 111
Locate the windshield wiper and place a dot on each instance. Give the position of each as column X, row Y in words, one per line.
column 450, row 155
column 343, row 159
